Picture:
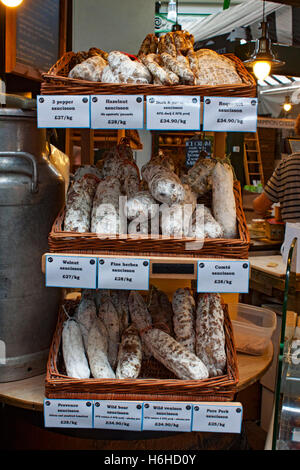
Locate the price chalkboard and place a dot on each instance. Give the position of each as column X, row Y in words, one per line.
column 36, row 35
column 197, row 147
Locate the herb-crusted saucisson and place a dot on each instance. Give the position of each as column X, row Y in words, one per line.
column 184, row 318
column 175, row 357
column 210, row 336
column 129, row 355
column 109, row 315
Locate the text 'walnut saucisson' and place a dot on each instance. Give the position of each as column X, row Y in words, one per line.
column 184, row 364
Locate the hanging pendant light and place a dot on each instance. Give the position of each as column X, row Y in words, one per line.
column 11, row 3
column 263, row 59
column 287, row 105
column 173, row 14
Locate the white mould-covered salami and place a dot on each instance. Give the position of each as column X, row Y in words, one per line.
column 183, row 304
column 131, row 185
column 128, row 71
column 85, row 314
column 108, row 76
column 164, row 185
column 223, row 200
column 87, row 170
column 142, row 205
column 176, row 219
column 210, row 336
column 105, row 216
column 79, row 205
column 130, row 355
column 90, row 69
column 109, row 315
column 203, row 224
column 162, row 346
column 97, row 351
column 73, row 351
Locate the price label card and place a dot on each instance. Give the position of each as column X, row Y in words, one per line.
column 127, row 273
column 212, row 417
column 174, row 113
column 68, row 413
column 117, row 112
column 164, row 416
column 63, row 111
column 126, row 416
column 71, row 271
column 230, row 114
column 228, row 276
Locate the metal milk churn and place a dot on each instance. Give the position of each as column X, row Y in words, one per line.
column 31, row 195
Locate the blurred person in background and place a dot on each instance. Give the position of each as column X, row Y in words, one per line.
column 283, row 187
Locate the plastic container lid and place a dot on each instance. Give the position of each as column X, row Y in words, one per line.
column 252, row 327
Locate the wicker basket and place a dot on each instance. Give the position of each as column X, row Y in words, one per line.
column 157, row 383
column 57, row 82
column 91, row 243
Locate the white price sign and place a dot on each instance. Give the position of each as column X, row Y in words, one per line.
column 164, row 416
column 127, row 273
column 174, row 113
column 63, row 111
column 230, row 114
column 225, row 418
column 126, row 416
column 71, row 271
column 68, row 413
column 117, row 112
column 227, row 276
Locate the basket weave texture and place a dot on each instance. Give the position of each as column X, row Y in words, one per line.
column 91, row 243
column 57, row 82
column 156, row 382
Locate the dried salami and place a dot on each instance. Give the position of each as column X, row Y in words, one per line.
column 210, row 336
column 183, row 304
column 130, row 355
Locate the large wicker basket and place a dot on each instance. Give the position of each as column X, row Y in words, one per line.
column 156, row 382
column 57, row 82
column 91, row 243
